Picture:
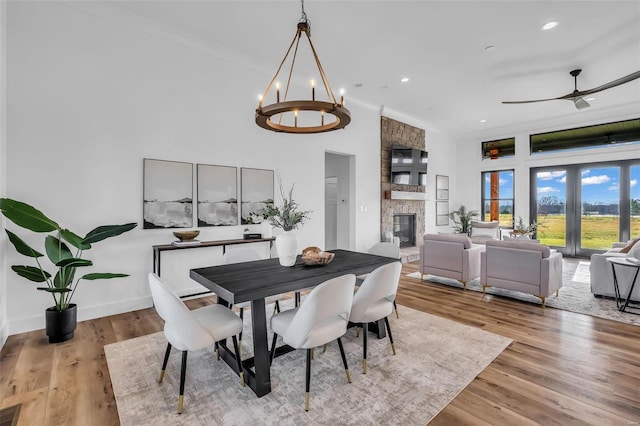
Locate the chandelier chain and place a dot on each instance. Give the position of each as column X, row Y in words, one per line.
column 304, row 18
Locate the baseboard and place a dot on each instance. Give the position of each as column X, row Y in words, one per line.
column 4, row 334
column 23, row 325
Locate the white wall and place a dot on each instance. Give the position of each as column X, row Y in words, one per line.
column 468, row 186
column 4, row 326
column 89, row 98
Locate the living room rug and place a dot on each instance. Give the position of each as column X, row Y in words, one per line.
column 575, row 294
column 436, row 359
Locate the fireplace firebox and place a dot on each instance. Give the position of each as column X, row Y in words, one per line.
column 404, row 227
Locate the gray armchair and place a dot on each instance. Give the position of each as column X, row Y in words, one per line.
column 450, row 256
column 521, row 266
column 481, row 232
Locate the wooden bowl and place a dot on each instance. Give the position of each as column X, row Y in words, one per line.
column 310, row 250
column 186, row 235
column 318, row 258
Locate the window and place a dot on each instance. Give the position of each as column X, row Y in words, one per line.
column 492, row 150
column 621, row 132
column 497, row 197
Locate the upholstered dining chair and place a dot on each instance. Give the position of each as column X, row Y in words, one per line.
column 374, row 301
column 192, row 330
column 385, row 249
column 248, row 255
column 322, row 317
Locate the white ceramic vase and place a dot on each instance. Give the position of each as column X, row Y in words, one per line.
column 287, row 246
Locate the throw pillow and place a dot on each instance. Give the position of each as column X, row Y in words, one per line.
column 629, row 246
column 634, row 252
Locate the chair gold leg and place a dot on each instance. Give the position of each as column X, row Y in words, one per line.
column 242, row 379
column 324, row 348
column 217, row 354
column 180, row 404
column 364, row 366
column 161, row 378
column 348, row 375
column 484, row 289
column 464, row 285
column 306, row 401
column 557, row 291
column 357, row 331
column 393, row 348
column 542, row 298
column 312, row 353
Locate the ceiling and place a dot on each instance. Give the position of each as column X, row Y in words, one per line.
column 366, row 47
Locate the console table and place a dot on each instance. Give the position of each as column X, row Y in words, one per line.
column 158, row 249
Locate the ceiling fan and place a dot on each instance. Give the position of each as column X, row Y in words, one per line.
column 577, row 95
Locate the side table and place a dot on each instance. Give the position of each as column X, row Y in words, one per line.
column 623, row 303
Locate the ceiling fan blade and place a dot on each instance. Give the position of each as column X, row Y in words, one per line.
column 528, row 102
column 580, row 103
column 611, row 84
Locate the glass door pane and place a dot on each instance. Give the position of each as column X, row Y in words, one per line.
column 551, row 194
column 600, row 207
column 634, row 172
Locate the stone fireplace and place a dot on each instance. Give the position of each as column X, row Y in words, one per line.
column 410, row 209
column 404, row 227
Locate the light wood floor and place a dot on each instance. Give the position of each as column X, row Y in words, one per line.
column 562, row 368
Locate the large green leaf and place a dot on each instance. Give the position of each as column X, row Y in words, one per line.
column 22, row 247
column 74, row 262
column 31, row 273
column 56, row 249
column 64, row 277
column 74, row 240
column 103, row 232
column 55, row 290
column 102, row 276
column 28, row 217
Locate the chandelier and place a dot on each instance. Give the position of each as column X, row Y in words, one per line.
column 302, row 116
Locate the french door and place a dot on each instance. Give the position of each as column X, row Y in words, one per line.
column 582, row 209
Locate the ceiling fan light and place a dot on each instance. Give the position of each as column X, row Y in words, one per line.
column 580, row 103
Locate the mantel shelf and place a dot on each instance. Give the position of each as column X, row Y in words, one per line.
column 406, row 195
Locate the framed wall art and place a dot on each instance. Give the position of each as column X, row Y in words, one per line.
column 442, row 187
column 217, row 195
column 442, row 213
column 256, row 191
column 167, row 194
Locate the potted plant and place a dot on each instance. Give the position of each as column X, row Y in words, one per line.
column 462, row 219
column 287, row 217
column 522, row 231
column 58, row 244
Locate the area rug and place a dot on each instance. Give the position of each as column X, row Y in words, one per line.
column 575, row 294
column 436, row 359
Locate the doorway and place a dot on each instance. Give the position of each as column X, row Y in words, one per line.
column 339, row 201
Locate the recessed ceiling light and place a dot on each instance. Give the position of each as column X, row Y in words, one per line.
column 549, row 25
column 404, row 79
column 589, row 99
column 489, row 48
column 483, row 121
column 358, row 85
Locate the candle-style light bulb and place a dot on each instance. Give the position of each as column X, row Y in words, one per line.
column 322, row 118
column 342, row 97
column 295, row 116
column 313, row 89
column 278, row 92
column 260, row 101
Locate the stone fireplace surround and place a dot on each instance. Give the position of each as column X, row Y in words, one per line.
column 396, row 132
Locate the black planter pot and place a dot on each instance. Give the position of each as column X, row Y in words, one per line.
column 61, row 324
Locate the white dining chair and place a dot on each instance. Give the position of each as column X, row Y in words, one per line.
column 240, row 255
column 385, row 249
column 321, row 318
column 188, row 330
column 374, row 301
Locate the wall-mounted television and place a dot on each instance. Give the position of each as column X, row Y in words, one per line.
column 408, row 166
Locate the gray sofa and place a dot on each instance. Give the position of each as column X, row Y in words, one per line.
column 521, row 266
column 451, row 256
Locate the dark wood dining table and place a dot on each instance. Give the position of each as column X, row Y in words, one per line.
column 254, row 281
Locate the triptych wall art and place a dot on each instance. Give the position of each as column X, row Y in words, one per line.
column 168, row 194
